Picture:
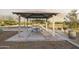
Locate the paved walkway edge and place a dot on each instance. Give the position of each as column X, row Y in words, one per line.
column 77, row 45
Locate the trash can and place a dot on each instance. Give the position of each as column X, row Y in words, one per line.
column 72, row 34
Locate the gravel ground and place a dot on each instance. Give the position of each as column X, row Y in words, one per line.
column 38, row 45
column 6, row 34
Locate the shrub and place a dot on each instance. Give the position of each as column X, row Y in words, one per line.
column 10, row 22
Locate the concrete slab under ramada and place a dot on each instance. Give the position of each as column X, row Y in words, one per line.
column 27, row 35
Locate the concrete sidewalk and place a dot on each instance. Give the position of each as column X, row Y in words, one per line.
column 27, row 35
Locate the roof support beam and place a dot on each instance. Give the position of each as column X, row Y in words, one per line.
column 27, row 23
column 53, row 26
column 46, row 24
column 24, row 22
column 19, row 24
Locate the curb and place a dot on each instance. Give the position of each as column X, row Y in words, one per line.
column 77, row 45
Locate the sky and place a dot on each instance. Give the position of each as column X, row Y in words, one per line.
column 8, row 12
